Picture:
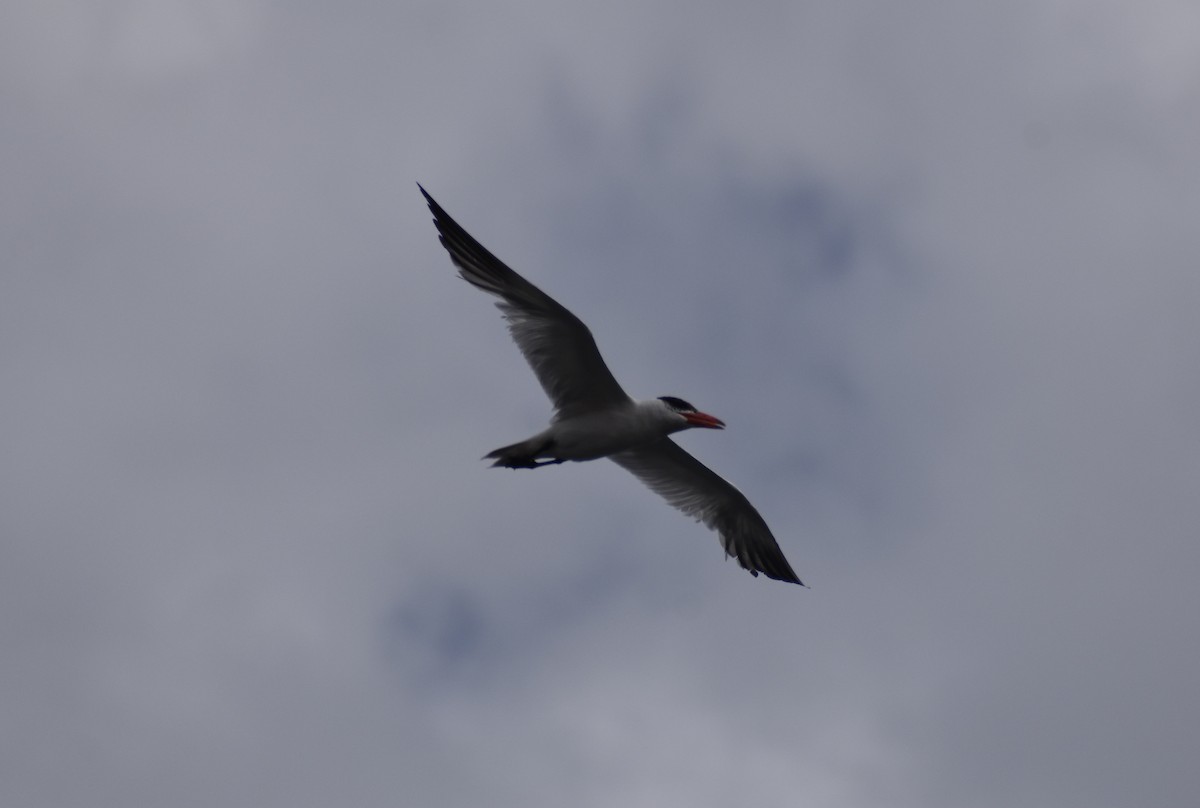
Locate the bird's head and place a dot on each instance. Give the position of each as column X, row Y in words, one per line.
column 689, row 415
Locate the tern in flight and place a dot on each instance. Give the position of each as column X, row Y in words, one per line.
column 593, row 416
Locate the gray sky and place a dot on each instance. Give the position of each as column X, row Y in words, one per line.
column 934, row 263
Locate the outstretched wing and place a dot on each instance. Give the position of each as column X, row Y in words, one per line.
column 556, row 343
column 694, row 488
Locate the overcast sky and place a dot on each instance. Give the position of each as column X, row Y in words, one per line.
column 937, row 265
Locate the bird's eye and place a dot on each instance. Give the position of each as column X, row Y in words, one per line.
column 677, row 404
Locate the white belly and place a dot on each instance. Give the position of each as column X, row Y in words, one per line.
column 588, row 437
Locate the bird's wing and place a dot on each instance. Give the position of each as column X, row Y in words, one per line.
column 698, row 491
column 556, row 343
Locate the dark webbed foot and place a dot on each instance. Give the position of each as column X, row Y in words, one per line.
column 525, row 462
column 523, row 456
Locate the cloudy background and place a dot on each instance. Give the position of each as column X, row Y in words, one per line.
column 935, row 263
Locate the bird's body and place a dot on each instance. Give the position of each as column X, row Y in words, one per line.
column 595, row 418
column 592, row 435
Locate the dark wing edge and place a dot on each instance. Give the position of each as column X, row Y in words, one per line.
column 558, row 346
column 696, row 490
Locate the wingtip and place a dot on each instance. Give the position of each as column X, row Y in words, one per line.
column 792, row 580
column 789, row 575
column 786, row 575
column 439, row 214
column 783, row 572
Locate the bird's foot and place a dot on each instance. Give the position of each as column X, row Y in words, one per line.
column 548, row 462
column 525, row 462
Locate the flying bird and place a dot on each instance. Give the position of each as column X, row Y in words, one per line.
column 594, row 417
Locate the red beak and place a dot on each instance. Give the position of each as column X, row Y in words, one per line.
column 703, row 419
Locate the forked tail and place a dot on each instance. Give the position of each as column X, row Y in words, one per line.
column 522, row 455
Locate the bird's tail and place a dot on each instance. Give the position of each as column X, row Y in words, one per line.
column 522, row 455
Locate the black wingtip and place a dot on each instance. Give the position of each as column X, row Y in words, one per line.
column 784, row 574
column 792, row 580
column 440, row 217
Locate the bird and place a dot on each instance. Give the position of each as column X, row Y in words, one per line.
column 595, row 418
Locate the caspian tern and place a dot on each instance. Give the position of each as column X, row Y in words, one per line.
column 595, row 418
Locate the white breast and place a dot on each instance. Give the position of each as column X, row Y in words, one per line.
column 599, row 434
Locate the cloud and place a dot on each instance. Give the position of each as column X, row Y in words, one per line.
column 935, row 267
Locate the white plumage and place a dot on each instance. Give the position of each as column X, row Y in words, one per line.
column 595, row 418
